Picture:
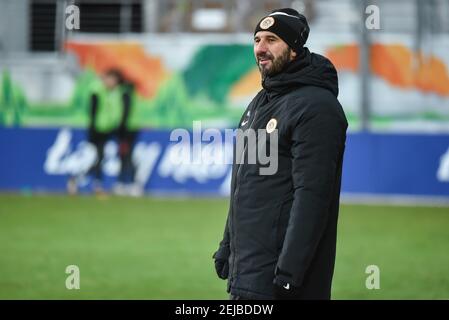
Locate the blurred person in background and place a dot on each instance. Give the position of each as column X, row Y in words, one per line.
column 280, row 235
column 109, row 119
column 127, row 134
column 107, row 105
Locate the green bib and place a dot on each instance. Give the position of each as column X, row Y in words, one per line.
column 109, row 109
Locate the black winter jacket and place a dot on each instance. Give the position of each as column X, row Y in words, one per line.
column 282, row 228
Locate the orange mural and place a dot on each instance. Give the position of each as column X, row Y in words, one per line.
column 247, row 85
column 144, row 71
column 398, row 65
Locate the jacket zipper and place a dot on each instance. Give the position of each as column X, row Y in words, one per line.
column 234, row 196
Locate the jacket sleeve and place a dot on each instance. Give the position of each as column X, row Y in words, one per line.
column 317, row 145
column 93, row 111
column 224, row 250
column 126, row 100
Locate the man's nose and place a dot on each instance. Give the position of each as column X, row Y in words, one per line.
column 261, row 48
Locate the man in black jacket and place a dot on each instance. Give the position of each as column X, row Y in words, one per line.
column 280, row 235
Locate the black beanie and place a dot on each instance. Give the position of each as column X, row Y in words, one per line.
column 288, row 24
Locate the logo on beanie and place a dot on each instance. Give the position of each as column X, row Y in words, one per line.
column 271, row 125
column 266, row 23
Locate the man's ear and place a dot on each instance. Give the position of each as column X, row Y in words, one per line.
column 293, row 54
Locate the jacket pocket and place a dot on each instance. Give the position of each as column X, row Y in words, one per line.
column 282, row 223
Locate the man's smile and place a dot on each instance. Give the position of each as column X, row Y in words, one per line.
column 264, row 60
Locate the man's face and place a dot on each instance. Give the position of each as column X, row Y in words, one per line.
column 110, row 81
column 271, row 53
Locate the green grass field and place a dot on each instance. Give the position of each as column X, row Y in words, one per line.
column 161, row 249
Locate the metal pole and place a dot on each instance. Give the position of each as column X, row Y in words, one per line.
column 364, row 73
column 151, row 15
column 60, row 31
column 125, row 16
column 419, row 25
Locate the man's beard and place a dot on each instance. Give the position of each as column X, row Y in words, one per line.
column 277, row 64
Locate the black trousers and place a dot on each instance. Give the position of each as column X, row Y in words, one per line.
column 233, row 297
column 127, row 140
column 99, row 139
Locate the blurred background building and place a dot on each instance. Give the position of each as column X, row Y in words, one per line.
column 192, row 60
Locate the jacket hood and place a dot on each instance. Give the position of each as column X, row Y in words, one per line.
column 308, row 69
